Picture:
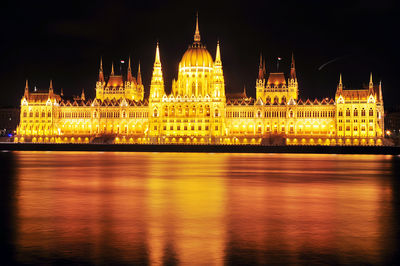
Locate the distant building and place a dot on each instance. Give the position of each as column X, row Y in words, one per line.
column 9, row 120
column 198, row 111
column 392, row 122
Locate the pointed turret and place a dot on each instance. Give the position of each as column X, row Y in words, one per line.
column 51, row 91
column 340, row 85
column 218, row 56
column 157, row 81
column 244, row 91
column 260, row 69
column 139, row 76
column 112, row 68
column 101, row 75
column 129, row 74
column 371, row 84
column 83, row 95
column 380, row 92
column 293, row 69
column 62, row 92
column 26, row 93
column 197, row 32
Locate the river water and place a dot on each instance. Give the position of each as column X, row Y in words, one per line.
column 198, row 208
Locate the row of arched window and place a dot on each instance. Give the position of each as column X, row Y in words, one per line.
column 36, row 114
column 356, row 112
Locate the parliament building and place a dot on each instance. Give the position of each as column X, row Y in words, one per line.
column 199, row 111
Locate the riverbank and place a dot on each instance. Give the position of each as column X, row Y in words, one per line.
column 201, row 148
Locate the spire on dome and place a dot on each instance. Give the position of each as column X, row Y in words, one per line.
column 139, row 76
column 197, row 32
column 83, row 94
column 101, row 75
column 112, row 69
column 292, row 69
column 380, row 91
column 129, row 75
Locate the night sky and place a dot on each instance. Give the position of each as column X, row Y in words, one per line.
column 64, row 41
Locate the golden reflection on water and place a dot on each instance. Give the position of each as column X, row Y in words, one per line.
column 157, row 208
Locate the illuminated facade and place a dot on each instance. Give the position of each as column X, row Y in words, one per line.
column 197, row 111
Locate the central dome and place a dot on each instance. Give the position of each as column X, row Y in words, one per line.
column 196, row 56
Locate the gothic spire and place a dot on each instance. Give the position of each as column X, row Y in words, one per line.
column 218, row 55
column 83, row 94
column 260, row 70
column 112, row 68
column 371, row 84
column 139, row 76
column 340, row 85
column 197, row 32
column 157, row 59
column 101, row 75
column 292, row 69
column 26, row 89
column 129, row 75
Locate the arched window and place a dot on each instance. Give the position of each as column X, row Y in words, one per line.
column 363, row 112
column 207, row 110
column 258, row 113
column 155, row 113
column 371, row 112
column 165, row 111
column 24, row 113
column 49, row 114
column 216, row 113
column 194, row 88
column 283, row 99
column 276, row 99
column 348, row 112
column 355, row 112
column 199, row 87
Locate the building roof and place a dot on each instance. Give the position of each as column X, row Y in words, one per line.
column 276, row 79
column 115, row 81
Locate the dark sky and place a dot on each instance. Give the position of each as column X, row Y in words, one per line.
column 63, row 41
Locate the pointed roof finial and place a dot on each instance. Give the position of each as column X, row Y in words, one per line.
column 129, row 74
column 51, row 85
column 112, row 68
column 340, row 79
column 218, row 53
column 101, row 75
column 292, row 69
column 139, row 76
column 370, row 79
column 197, row 32
column 62, row 92
column 83, row 94
column 26, row 85
column 157, row 60
column 244, row 91
column 260, row 69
